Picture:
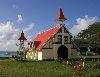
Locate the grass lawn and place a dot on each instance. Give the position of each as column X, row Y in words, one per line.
column 10, row 68
column 92, row 69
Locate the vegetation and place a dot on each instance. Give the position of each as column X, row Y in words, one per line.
column 12, row 68
column 20, row 55
column 92, row 69
column 89, row 37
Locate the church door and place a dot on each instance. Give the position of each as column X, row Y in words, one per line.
column 63, row 52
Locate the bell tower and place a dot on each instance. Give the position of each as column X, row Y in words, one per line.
column 21, row 51
column 22, row 39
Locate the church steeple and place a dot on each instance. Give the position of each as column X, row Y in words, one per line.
column 60, row 16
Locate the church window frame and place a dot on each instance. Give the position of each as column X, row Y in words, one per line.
column 66, row 39
column 59, row 38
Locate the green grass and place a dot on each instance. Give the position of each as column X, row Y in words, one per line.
column 92, row 70
column 10, row 68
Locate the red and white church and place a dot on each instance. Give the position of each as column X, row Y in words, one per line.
column 55, row 43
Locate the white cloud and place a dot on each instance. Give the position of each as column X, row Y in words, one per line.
column 20, row 18
column 82, row 23
column 9, row 35
column 29, row 27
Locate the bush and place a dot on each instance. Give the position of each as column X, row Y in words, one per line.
column 98, row 66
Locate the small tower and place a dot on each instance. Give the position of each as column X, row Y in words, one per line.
column 21, row 52
column 60, row 17
column 22, row 39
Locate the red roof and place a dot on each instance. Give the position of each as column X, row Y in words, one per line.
column 44, row 36
column 22, row 37
column 60, row 16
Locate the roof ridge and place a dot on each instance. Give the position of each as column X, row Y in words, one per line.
column 48, row 29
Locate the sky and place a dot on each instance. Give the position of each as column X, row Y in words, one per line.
column 34, row 16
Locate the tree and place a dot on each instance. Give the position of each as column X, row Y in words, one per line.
column 89, row 37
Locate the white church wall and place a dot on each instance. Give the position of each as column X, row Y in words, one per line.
column 39, row 55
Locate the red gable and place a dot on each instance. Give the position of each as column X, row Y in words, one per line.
column 43, row 37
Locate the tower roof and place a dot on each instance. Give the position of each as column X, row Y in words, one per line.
column 60, row 16
column 22, row 37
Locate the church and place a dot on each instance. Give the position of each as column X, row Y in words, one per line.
column 55, row 43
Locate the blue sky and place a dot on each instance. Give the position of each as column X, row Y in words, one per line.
column 42, row 13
